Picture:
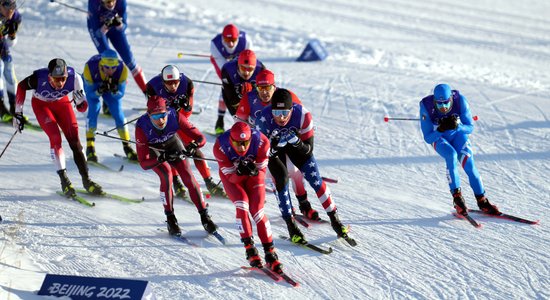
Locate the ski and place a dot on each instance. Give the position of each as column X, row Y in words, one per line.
column 112, row 196
column 468, row 218
column 218, row 236
column 183, row 239
column 330, row 180
column 307, row 245
column 349, row 240
column 77, row 198
column 506, row 216
column 288, row 279
column 104, row 167
column 265, row 271
column 126, row 158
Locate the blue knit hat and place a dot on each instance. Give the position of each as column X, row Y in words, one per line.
column 442, row 92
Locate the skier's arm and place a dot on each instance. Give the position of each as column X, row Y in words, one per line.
column 466, row 118
column 226, row 167
column 243, row 111
column 93, row 18
column 217, row 59
column 29, row 83
column 228, row 88
column 190, row 130
column 142, row 148
column 430, row 133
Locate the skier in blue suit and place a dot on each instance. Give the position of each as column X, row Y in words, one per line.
column 446, row 122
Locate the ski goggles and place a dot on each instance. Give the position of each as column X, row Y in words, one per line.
column 443, row 104
column 229, row 39
column 247, row 68
column 171, row 82
column 281, row 112
column 264, row 88
column 109, row 63
column 159, row 116
column 236, row 144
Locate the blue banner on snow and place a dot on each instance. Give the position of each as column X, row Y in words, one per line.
column 314, row 51
column 78, row 287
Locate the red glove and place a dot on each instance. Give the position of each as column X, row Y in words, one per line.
column 82, row 107
column 246, row 87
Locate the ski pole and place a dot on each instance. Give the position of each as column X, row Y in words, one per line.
column 387, row 119
column 131, row 121
column 181, row 54
column 195, row 111
column 9, row 142
column 207, row 82
column 150, row 147
column 69, row 6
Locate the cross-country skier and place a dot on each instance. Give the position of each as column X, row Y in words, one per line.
column 224, row 47
column 52, row 107
column 107, row 21
column 105, row 76
column 289, row 127
column 251, row 105
column 178, row 91
column 10, row 19
column 446, row 123
column 159, row 148
column 242, row 158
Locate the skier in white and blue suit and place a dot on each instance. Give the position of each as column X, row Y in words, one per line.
column 446, row 122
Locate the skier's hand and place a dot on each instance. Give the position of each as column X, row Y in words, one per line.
column 166, row 156
column 82, row 107
column 113, row 88
column 117, row 21
column 247, row 167
column 190, row 149
column 291, row 138
column 447, row 123
column 103, row 87
column 19, row 121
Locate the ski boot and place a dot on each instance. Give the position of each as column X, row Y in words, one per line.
column 105, row 109
column 5, row 115
column 459, row 204
column 252, row 253
column 339, row 228
column 213, row 188
column 486, row 206
column 272, row 259
column 219, row 126
column 172, row 224
column 66, row 185
column 130, row 153
column 296, row 236
column 307, row 211
column 179, row 188
column 90, row 154
column 206, row 221
column 92, row 187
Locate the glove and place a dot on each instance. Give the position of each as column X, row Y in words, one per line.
column 292, row 139
column 246, row 87
column 19, row 121
column 117, row 21
column 190, row 149
column 103, row 87
column 82, row 107
column 274, row 140
column 181, row 102
column 113, row 88
column 165, row 156
column 447, row 123
column 247, row 167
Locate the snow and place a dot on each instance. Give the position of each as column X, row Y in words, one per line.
column 384, row 56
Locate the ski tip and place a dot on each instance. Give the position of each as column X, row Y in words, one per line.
column 121, row 168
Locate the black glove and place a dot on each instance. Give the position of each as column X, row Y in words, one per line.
column 12, row 28
column 113, row 88
column 165, row 156
column 19, row 121
column 447, row 123
column 190, row 149
column 103, row 87
column 180, row 101
column 117, row 21
column 247, row 167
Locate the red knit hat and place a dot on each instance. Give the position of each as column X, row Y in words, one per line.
column 156, row 104
column 230, row 31
column 265, row 77
column 240, row 131
column 247, row 57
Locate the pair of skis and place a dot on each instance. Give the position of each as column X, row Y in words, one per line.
column 79, row 198
column 187, row 241
column 505, row 216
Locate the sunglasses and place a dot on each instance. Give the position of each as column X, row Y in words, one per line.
column 158, row 116
column 280, row 112
column 236, row 144
column 171, row 82
column 59, row 79
column 110, row 67
column 229, row 40
column 264, row 88
column 245, row 68
column 108, row 1
column 445, row 103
